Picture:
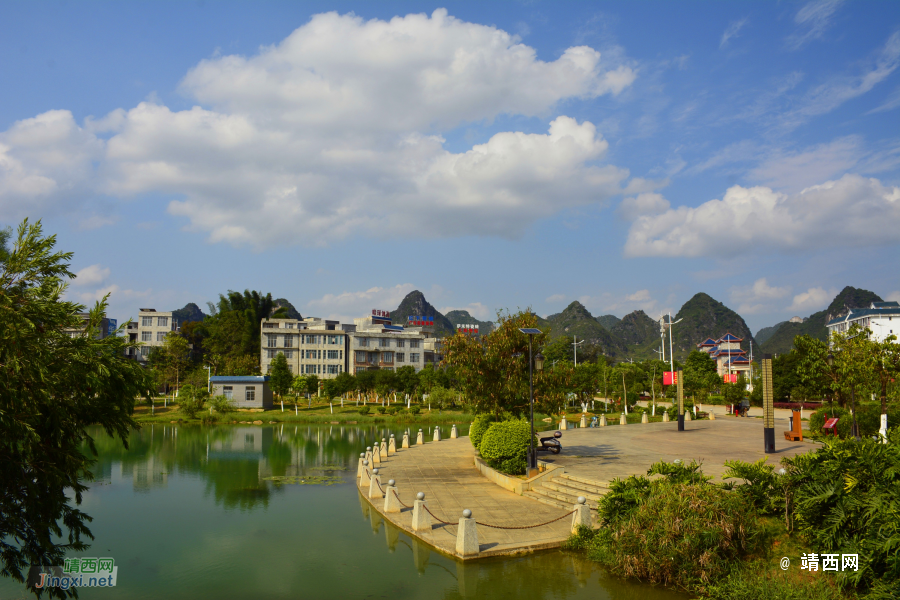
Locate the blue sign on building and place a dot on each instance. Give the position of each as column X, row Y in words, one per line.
column 113, row 325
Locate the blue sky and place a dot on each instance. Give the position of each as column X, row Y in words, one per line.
column 492, row 155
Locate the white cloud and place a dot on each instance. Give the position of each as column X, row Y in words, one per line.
column 336, row 131
column 852, row 211
column 732, row 31
column 812, row 299
column 556, row 298
column 642, row 204
column 755, row 298
column 350, row 305
column 892, row 102
column 813, row 18
column 92, row 275
column 793, row 171
column 831, row 94
column 476, row 309
column 622, row 304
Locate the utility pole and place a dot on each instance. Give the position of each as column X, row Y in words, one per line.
column 575, row 345
column 671, row 347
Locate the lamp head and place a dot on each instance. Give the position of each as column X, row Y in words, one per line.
column 830, row 359
column 539, row 361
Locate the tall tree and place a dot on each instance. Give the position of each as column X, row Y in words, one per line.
column 280, row 377
column 53, row 387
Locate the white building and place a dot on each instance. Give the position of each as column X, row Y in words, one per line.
column 149, row 330
column 879, row 318
column 311, row 346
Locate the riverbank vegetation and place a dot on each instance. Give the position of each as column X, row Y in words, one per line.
column 726, row 541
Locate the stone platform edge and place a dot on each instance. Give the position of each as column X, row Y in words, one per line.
column 490, row 552
column 514, row 484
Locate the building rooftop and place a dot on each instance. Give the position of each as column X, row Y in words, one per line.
column 239, row 378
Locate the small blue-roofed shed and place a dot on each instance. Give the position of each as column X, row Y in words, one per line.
column 246, row 391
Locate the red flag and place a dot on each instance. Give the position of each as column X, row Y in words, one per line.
column 670, row 378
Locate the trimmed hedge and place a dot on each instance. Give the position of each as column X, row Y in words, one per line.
column 504, row 446
column 868, row 417
column 479, row 426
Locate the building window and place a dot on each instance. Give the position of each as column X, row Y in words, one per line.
column 160, row 336
column 413, row 343
column 162, row 321
column 385, row 343
column 250, row 393
column 387, row 357
column 373, row 358
column 289, row 354
column 363, row 342
column 401, row 343
column 228, row 391
column 333, row 339
column 270, row 354
column 360, row 369
column 333, row 355
column 146, row 336
column 145, row 351
column 146, row 321
column 361, row 357
column 288, row 341
column 414, row 357
column 272, row 341
column 401, row 357
column 288, row 325
column 333, row 369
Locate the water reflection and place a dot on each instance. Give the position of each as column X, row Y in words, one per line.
column 238, row 463
column 551, row 574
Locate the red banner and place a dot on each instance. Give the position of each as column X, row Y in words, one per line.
column 670, row 378
column 730, row 378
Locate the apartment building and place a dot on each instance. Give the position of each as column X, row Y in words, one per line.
column 149, row 330
column 378, row 344
column 878, row 318
column 107, row 327
column 311, row 346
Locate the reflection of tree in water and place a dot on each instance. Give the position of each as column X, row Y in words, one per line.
column 236, row 484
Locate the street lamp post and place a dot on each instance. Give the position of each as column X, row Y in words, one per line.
column 534, row 362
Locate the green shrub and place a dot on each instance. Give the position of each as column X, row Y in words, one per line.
column 745, row 585
column 415, row 409
column 504, row 446
column 818, row 418
column 683, row 534
column 381, row 409
column 209, row 419
column 392, row 410
column 479, row 426
column 222, row 405
column 763, row 488
column 364, row 410
column 191, row 400
column 846, row 498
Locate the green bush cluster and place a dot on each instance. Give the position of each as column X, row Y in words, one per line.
column 415, row 409
column 364, row 410
column 677, row 530
column 479, row 426
column 504, row 446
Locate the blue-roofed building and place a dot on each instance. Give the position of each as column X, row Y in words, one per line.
column 878, row 318
column 727, row 352
column 246, row 391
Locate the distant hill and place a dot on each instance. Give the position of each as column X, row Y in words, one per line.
column 577, row 320
column 191, row 312
column 705, row 317
column 636, row 328
column 292, row 313
column 609, row 321
column 765, row 333
column 463, row 317
column 782, row 340
column 415, row 304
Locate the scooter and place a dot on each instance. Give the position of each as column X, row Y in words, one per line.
column 551, row 444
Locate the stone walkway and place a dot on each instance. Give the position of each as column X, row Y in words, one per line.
column 446, row 472
column 604, row 453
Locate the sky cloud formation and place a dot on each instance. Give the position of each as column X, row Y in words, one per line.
column 756, row 298
column 337, row 130
column 811, row 300
column 813, row 20
column 732, row 31
column 851, row 211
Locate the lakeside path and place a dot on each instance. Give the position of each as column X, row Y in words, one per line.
column 446, row 472
column 604, row 453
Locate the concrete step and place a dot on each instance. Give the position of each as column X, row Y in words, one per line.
column 588, row 485
column 560, row 499
column 547, row 500
column 570, row 491
column 595, row 487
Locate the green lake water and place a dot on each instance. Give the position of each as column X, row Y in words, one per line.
column 272, row 512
